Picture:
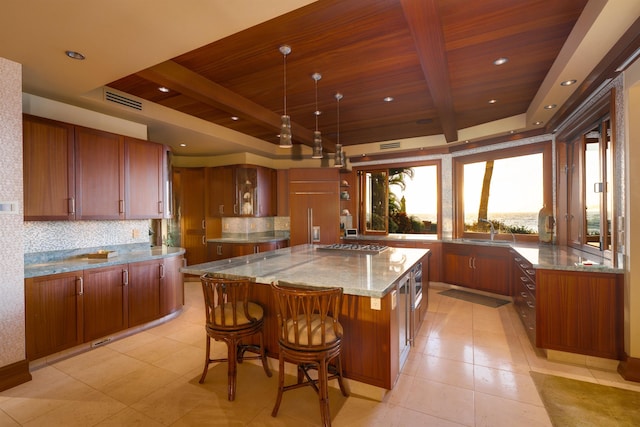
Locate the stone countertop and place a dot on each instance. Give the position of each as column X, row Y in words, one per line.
column 540, row 255
column 243, row 240
column 307, row 265
column 82, row 262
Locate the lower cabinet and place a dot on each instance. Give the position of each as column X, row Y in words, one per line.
column 53, row 313
column 104, row 297
column 477, row 267
column 580, row 312
column 217, row 251
column 524, row 294
column 68, row 309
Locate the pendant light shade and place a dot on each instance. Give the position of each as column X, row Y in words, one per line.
column 317, row 138
column 339, row 156
column 285, row 125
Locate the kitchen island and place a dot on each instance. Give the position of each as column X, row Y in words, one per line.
column 373, row 316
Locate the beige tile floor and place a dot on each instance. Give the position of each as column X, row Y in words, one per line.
column 470, row 366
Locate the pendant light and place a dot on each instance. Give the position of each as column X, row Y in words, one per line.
column 285, row 126
column 339, row 160
column 317, row 139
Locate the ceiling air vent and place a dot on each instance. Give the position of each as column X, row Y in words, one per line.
column 122, row 100
column 389, row 145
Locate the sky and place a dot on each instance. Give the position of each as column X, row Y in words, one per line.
column 516, row 186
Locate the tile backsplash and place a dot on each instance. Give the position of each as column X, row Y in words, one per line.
column 42, row 236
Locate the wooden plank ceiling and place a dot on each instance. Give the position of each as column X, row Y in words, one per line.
column 434, row 57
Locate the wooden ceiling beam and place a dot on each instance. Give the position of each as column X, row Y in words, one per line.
column 176, row 77
column 423, row 18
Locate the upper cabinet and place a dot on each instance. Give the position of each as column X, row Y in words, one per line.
column 49, row 170
column 144, row 171
column 72, row 172
column 99, row 174
column 241, row 190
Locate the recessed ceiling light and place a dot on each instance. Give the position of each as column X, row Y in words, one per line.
column 500, row 61
column 235, row 118
column 388, row 99
column 183, row 145
column 568, row 82
column 493, row 101
column 550, row 106
column 74, row 55
column 163, row 89
column 537, row 123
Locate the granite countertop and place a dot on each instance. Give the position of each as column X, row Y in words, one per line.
column 242, row 240
column 307, row 265
column 43, row 264
column 540, row 255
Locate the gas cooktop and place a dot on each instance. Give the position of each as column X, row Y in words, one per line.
column 354, row 247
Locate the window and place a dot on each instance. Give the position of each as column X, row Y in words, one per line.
column 402, row 199
column 591, row 191
column 506, row 190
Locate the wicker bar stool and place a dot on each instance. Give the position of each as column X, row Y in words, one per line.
column 231, row 317
column 310, row 336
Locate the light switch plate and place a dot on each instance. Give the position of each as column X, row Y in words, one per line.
column 9, row 208
column 376, row 304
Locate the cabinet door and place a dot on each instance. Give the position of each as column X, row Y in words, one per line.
column 99, row 174
column 221, row 192
column 105, row 301
column 143, row 176
column 457, row 263
column 53, row 314
column 144, row 292
column 267, row 202
column 492, row 267
column 189, row 187
column 171, row 285
column 314, row 205
column 49, row 175
column 217, row 251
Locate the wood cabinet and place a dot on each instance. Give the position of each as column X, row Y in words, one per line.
column 478, row 267
column 222, row 250
column 144, row 291
column 171, row 286
column 524, row 294
column 49, row 169
column 241, row 190
column 104, row 301
column 68, row 309
column 189, row 194
column 220, row 192
column 144, row 173
column 580, row 312
column 53, row 314
column 99, row 174
column 72, row 172
column 314, row 202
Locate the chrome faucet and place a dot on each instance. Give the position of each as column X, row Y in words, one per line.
column 493, row 230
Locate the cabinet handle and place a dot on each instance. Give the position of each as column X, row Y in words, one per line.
column 160, row 210
column 204, row 224
column 71, row 205
column 219, row 250
column 530, row 287
column 161, row 271
column 531, row 272
column 470, row 258
column 524, row 294
column 81, row 281
column 523, row 279
column 474, row 263
column 256, row 249
column 235, row 209
column 125, row 277
column 121, row 205
column 530, row 304
column 221, row 209
column 204, row 240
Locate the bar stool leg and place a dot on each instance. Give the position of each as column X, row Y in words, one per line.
column 206, row 360
column 280, row 385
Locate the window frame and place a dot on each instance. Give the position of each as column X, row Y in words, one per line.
column 386, row 167
column 544, row 147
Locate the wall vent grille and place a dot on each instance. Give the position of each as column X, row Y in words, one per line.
column 389, row 145
column 122, row 100
column 101, row 342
